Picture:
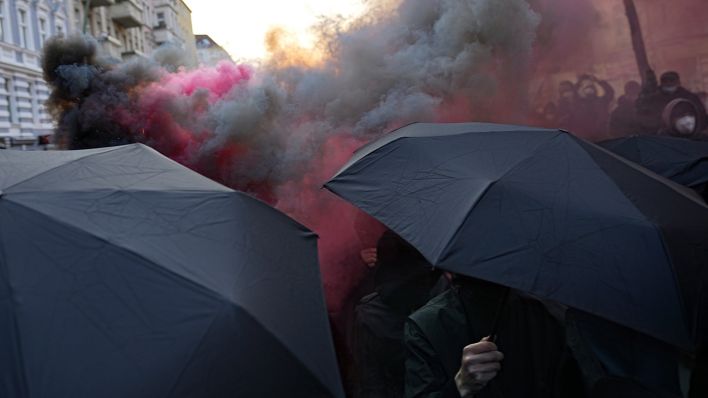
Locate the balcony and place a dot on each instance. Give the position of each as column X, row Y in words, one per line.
column 102, row 3
column 126, row 13
column 130, row 54
column 163, row 35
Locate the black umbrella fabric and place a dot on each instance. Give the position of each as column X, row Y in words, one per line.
column 679, row 159
column 544, row 212
column 124, row 274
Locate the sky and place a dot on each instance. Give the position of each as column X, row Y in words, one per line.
column 240, row 26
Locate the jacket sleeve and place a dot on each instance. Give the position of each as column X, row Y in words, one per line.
column 425, row 375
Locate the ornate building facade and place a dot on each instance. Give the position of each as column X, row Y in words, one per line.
column 123, row 29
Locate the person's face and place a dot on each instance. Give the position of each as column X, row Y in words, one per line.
column 685, row 124
column 669, row 87
column 587, row 89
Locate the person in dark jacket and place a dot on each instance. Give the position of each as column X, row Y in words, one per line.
column 591, row 110
column 567, row 95
column 654, row 97
column 623, row 120
column 535, row 364
column 404, row 281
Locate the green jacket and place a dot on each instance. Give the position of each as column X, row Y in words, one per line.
column 536, row 363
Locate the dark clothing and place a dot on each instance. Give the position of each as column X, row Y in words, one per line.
column 590, row 116
column 379, row 351
column 535, row 363
column 404, row 280
column 699, row 378
column 617, row 362
column 651, row 104
column 623, row 120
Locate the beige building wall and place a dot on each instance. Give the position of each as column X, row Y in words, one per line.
column 135, row 28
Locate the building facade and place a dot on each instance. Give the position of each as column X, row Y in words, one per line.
column 209, row 53
column 24, row 27
column 130, row 28
column 123, row 29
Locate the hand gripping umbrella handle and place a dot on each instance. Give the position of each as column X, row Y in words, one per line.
column 501, row 306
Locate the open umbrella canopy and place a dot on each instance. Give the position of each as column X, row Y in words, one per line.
column 544, row 212
column 124, row 274
column 679, row 159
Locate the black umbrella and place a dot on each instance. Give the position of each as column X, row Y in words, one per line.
column 682, row 160
column 544, row 212
column 124, row 274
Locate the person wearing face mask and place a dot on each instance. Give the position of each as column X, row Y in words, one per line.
column 680, row 119
column 591, row 110
column 655, row 97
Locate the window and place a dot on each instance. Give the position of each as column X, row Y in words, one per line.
column 160, row 19
column 24, row 33
column 60, row 29
column 42, row 31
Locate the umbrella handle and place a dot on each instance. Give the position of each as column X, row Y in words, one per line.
column 497, row 315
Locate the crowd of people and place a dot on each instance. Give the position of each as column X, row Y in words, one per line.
column 660, row 106
column 414, row 331
column 423, row 333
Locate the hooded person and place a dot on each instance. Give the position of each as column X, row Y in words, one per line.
column 440, row 336
column 655, row 97
column 681, row 118
column 591, row 110
column 623, row 120
column 404, row 281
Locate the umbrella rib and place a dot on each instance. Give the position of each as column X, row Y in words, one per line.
column 454, row 236
column 128, row 250
column 61, row 165
column 175, row 275
column 196, row 349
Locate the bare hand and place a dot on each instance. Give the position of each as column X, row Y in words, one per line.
column 480, row 363
column 369, row 257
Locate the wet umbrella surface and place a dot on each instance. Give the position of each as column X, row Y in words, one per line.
column 544, row 212
column 124, row 274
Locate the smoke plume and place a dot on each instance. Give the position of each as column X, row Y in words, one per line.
column 278, row 130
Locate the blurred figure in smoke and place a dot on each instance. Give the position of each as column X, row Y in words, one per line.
column 567, row 96
column 404, row 281
column 363, row 262
column 591, row 110
column 655, row 97
column 703, row 96
column 547, row 117
column 680, row 118
column 623, row 120
column 449, row 355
